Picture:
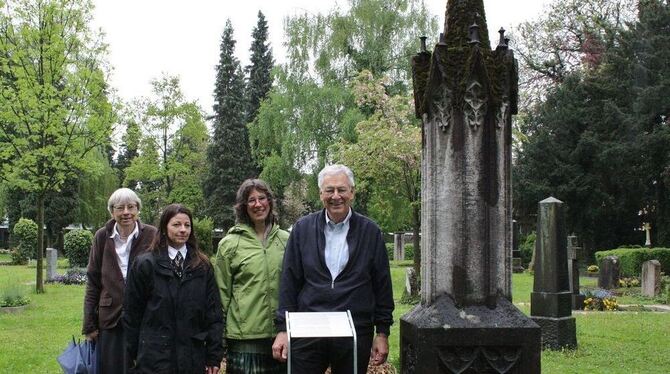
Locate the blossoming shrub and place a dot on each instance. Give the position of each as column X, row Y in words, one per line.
column 600, row 300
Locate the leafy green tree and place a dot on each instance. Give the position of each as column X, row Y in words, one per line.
column 386, row 158
column 228, row 155
column 600, row 140
column 128, row 150
column 171, row 161
column 260, row 69
column 94, row 191
column 312, row 106
column 54, row 107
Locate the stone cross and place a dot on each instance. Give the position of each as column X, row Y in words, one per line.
column 647, row 229
column 573, row 274
column 651, row 278
column 551, row 299
column 52, row 263
column 608, row 275
column 465, row 94
column 398, row 246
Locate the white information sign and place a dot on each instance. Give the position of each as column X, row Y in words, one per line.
column 320, row 325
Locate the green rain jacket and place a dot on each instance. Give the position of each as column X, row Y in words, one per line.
column 248, row 278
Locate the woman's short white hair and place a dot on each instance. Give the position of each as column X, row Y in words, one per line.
column 123, row 196
column 333, row 170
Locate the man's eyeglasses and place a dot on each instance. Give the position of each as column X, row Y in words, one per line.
column 129, row 207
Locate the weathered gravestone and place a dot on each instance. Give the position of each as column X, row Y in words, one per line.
column 398, row 247
column 517, row 266
column 52, row 263
column 465, row 94
column 651, row 278
column 551, row 299
column 608, row 276
column 573, row 274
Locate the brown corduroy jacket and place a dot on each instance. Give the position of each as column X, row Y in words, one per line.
column 104, row 289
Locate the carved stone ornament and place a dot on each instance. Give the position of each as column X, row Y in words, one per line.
column 501, row 116
column 442, row 109
column 479, row 359
column 475, row 105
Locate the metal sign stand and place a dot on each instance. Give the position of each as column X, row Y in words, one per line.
column 320, row 325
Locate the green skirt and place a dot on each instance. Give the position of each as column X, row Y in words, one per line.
column 252, row 357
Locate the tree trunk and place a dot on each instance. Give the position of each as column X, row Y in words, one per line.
column 39, row 281
column 416, row 230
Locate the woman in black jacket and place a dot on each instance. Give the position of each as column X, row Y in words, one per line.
column 172, row 309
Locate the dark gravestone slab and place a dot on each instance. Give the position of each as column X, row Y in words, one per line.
column 608, row 278
column 551, row 299
column 443, row 338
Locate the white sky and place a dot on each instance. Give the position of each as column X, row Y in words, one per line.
column 149, row 37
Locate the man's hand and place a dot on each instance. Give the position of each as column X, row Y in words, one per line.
column 380, row 349
column 280, row 347
column 93, row 336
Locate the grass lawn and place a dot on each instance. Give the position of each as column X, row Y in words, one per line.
column 612, row 342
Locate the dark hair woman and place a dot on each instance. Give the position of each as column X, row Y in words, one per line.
column 248, row 267
column 172, row 309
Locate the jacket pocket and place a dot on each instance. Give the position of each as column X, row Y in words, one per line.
column 154, row 354
column 105, row 301
column 199, row 355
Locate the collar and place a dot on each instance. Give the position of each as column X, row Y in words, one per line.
column 115, row 231
column 172, row 252
column 346, row 219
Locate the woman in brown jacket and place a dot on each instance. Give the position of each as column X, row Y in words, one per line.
column 114, row 247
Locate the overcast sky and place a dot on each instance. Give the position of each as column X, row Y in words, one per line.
column 150, row 37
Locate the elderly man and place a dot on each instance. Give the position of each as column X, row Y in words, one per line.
column 335, row 260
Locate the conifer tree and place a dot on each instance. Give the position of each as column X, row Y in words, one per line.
column 229, row 155
column 260, row 69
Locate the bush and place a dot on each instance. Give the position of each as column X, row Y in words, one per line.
column 76, row 245
column 593, row 269
column 631, row 259
column 13, row 296
column 600, row 300
column 203, row 231
column 526, row 247
column 25, row 234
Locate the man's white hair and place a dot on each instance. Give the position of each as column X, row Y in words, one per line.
column 333, row 170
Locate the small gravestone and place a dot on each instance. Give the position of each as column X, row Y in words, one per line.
column 651, row 278
column 398, row 247
column 52, row 262
column 573, row 274
column 608, row 278
column 551, row 299
column 410, row 280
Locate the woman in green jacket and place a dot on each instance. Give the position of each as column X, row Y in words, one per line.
column 247, row 266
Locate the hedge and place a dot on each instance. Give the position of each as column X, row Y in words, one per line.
column 409, row 251
column 76, row 245
column 631, row 259
column 203, row 232
column 25, row 234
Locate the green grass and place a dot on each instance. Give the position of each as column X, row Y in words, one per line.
column 612, row 342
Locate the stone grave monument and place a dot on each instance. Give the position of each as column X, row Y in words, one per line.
column 398, row 246
column 573, row 274
column 608, row 276
column 651, row 278
column 465, row 94
column 551, row 299
column 52, row 263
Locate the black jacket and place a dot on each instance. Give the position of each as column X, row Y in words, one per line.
column 172, row 325
column 363, row 286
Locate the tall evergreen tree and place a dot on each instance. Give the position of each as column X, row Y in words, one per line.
column 260, row 69
column 229, row 155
